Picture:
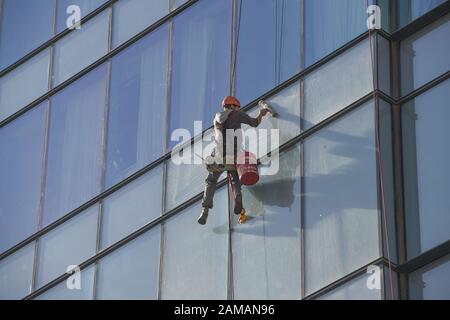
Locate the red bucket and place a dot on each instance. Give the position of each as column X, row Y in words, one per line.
column 247, row 168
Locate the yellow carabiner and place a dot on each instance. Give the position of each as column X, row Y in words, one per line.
column 242, row 217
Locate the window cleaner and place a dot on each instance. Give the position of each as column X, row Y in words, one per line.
column 231, row 118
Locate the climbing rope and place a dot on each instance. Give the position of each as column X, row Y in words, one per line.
column 379, row 162
column 235, row 49
column 233, row 70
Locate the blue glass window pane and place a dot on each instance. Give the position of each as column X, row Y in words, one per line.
column 21, row 155
column 195, row 260
column 24, row 84
column 337, row 84
column 362, row 287
column 75, row 145
column 131, row 207
column 69, row 244
column 266, row 249
column 63, row 18
column 409, row 10
column 80, row 48
column 16, row 272
column 137, row 112
column 24, row 25
column 426, row 172
column 201, row 63
column 329, row 24
column 420, row 7
column 340, row 204
column 431, row 282
column 269, row 45
column 132, row 16
column 418, row 51
column 62, row 292
column 132, row 272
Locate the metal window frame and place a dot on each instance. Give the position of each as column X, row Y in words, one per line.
column 419, row 23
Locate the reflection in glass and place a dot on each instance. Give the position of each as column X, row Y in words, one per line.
column 287, row 105
column 137, row 108
column 329, row 24
column 21, row 155
column 24, row 25
column 74, row 145
column 431, row 282
column 24, row 84
column 266, row 249
column 200, row 63
column 80, row 48
column 269, row 45
column 337, row 84
column 62, row 292
column 341, row 228
column 16, row 272
column 410, row 10
column 131, row 207
column 418, row 51
column 132, row 16
column 196, row 257
column 71, row 243
column 65, row 16
column 363, row 287
column 131, row 272
column 177, row 3
column 426, row 172
column 186, row 180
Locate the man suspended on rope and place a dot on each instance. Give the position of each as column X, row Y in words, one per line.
column 230, row 118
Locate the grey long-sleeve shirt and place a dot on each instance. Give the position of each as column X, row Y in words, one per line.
column 230, row 119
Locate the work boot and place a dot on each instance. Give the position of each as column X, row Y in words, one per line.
column 204, row 216
column 242, row 217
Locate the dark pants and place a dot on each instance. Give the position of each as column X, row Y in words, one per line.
column 210, row 188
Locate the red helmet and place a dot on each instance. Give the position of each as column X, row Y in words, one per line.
column 230, row 100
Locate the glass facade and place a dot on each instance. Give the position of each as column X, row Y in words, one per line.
column 136, row 132
column 426, row 185
column 74, row 152
column 25, row 25
column 431, row 282
column 189, row 250
column 21, row 161
column 32, row 79
column 418, row 50
column 341, row 223
column 200, row 63
column 409, row 10
column 80, row 48
column 266, row 250
column 89, row 117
